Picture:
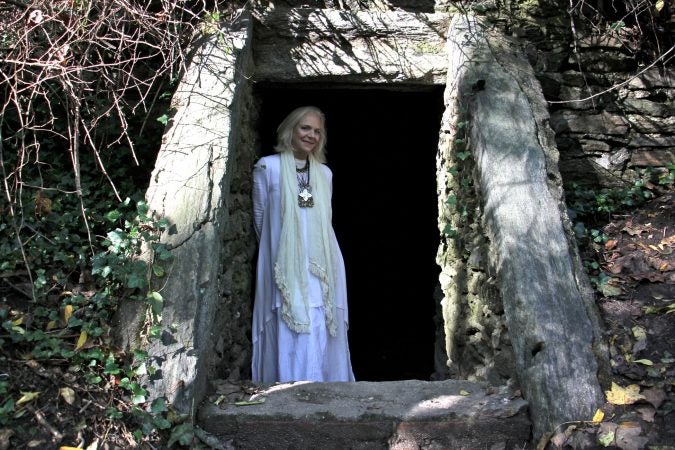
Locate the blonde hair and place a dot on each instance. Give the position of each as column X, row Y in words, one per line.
column 286, row 127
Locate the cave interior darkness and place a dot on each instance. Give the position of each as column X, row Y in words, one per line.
column 381, row 147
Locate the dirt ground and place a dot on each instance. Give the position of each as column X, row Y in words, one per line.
column 637, row 304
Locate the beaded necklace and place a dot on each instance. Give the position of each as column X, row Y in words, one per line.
column 305, row 198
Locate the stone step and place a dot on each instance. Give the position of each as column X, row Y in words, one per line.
column 400, row 415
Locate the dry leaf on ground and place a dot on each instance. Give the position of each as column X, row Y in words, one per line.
column 624, row 396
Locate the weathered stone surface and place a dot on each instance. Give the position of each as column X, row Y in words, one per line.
column 657, row 77
column 364, row 415
column 584, row 97
column 601, row 61
column 189, row 187
column 613, row 160
column 591, row 146
column 654, row 158
column 648, row 125
column 601, row 41
column 361, row 46
column 653, row 140
column 603, row 123
column 649, row 107
column 540, row 280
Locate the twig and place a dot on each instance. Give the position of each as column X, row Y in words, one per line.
column 16, row 273
column 18, row 289
column 42, row 421
column 17, row 230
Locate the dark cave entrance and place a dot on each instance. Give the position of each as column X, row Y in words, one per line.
column 382, row 146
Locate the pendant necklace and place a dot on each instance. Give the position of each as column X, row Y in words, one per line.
column 305, row 198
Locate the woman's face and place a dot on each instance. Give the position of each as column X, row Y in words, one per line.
column 306, row 135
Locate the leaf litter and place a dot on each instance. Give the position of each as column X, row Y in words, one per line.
column 637, row 309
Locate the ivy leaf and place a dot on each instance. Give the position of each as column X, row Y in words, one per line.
column 112, row 216
column 161, row 423
column 449, row 232
column 159, row 406
column 463, row 155
column 111, row 366
column 137, row 399
column 609, row 290
column 136, row 281
column 158, row 270
column 163, row 119
column 156, row 301
column 92, row 378
column 183, row 434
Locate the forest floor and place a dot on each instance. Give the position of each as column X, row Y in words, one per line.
column 56, row 408
column 636, row 301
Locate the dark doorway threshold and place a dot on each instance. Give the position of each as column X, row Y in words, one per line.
column 382, row 147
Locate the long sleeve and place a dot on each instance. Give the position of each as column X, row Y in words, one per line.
column 259, row 195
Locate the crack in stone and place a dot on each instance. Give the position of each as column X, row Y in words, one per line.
column 208, row 212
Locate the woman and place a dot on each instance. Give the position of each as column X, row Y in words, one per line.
column 300, row 313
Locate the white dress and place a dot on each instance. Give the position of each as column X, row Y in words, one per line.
column 280, row 354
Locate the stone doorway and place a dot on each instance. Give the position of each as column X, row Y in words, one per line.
column 507, row 256
column 379, row 138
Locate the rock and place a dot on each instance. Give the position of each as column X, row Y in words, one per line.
column 603, row 123
column 649, row 108
column 651, row 140
column 600, row 61
column 628, row 436
column 647, row 125
column 657, row 77
column 652, row 157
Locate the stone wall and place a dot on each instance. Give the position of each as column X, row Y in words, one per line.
column 232, row 325
column 611, row 107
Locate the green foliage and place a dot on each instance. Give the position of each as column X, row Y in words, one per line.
column 77, row 293
column 589, row 208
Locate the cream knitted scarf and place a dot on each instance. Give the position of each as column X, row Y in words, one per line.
column 290, row 272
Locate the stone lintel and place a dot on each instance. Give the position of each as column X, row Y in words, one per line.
column 397, row 414
column 308, row 44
